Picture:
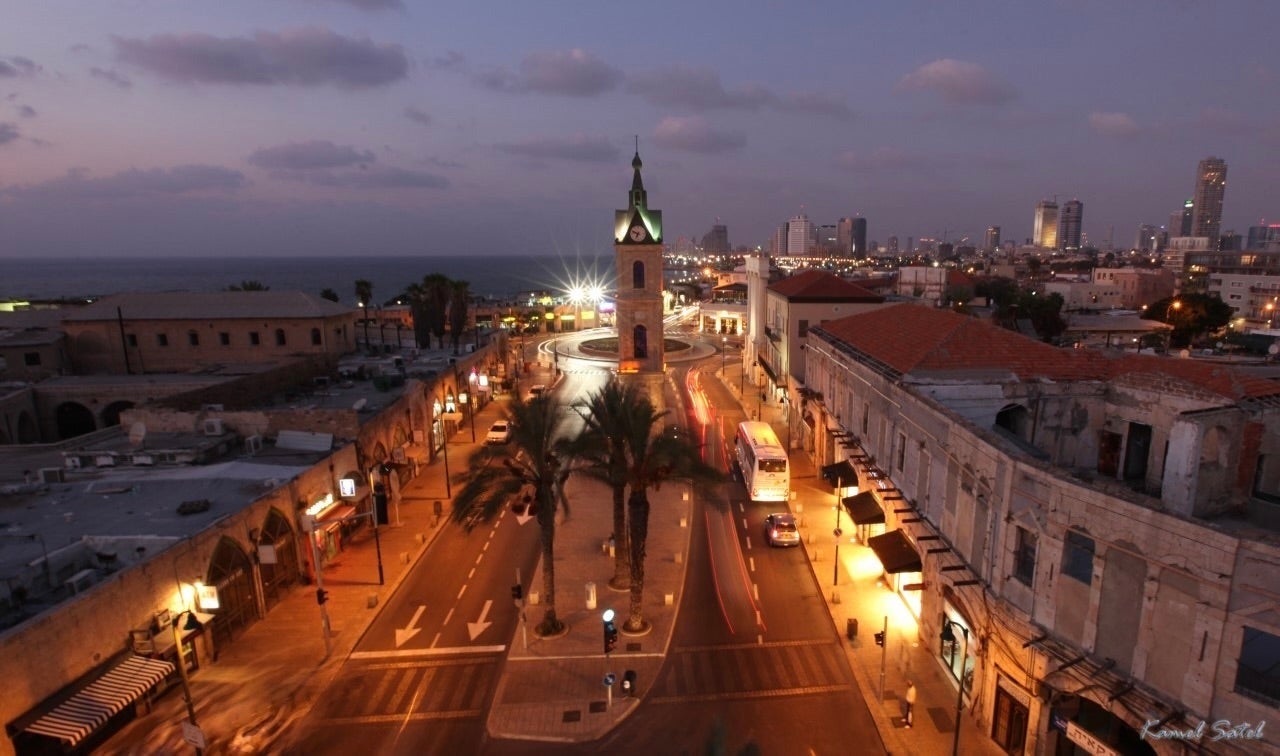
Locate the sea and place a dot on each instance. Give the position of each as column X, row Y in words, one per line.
column 496, row 277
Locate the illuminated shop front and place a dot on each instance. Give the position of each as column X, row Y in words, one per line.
column 955, row 656
column 901, row 562
column 328, row 514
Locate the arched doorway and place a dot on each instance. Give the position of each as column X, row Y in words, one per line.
column 283, row 572
column 111, row 415
column 232, row 572
column 73, row 419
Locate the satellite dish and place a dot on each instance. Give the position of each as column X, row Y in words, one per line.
column 137, row 433
column 1273, row 349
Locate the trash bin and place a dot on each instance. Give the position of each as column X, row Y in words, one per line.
column 851, row 628
column 629, row 683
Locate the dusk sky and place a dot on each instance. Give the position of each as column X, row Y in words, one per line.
column 381, row 127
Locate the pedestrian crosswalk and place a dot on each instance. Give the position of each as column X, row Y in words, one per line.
column 751, row 671
column 390, row 692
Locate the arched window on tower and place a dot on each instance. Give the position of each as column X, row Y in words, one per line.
column 637, row 275
column 641, row 337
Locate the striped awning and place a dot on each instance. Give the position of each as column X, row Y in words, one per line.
column 76, row 718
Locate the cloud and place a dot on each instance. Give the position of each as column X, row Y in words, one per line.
column 306, row 57
column 368, row 5
column 882, row 159
column 1120, row 125
column 694, row 134
column 958, row 82
column 111, row 76
column 179, row 180
column 451, row 60
column 16, row 65
column 575, row 73
column 420, row 117
column 26, row 111
column 305, row 156
column 816, row 103
column 1221, row 120
column 378, row 177
column 8, row 133
column 692, row 88
column 580, row 147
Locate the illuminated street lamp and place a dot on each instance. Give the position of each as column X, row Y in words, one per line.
column 192, row 624
column 1269, row 309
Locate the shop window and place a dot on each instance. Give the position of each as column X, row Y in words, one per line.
column 1024, row 557
column 1257, row 674
column 193, row 338
column 1077, row 557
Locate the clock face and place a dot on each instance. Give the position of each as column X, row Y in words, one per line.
column 637, row 233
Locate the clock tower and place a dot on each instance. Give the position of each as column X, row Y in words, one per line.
column 637, row 243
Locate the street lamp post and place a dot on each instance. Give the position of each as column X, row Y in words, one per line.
column 948, row 635
column 835, row 569
column 724, row 349
column 192, row 623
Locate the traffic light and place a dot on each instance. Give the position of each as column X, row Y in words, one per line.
column 610, row 636
column 517, row 591
column 880, row 639
column 321, row 596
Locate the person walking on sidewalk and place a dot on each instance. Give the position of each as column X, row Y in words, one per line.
column 911, row 703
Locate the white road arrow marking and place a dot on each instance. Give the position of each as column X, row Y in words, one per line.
column 410, row 630
column 479, row 626
column 524, row 517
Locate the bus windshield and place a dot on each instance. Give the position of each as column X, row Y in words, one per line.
column 773, row 465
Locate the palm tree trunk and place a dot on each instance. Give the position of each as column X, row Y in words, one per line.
column 638, row 510
column 621, row 543
column 551, row 624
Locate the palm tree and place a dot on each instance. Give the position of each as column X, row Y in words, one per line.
column 364, row 292
column 249, row 286
column 601, row 449
column 655, row 459
column 537, row 470
column 330, row 295
column 435, row 288
column 459, row 302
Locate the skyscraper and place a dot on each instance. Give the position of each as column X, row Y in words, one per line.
column 1148, row 238
column 993, row 238
column 1206, row 212
column 859, row 237
column 799, row 234
column 1044, row 232
column 1072, row 218
column 716, row 241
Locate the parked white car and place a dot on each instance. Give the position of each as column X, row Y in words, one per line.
column 499, row 433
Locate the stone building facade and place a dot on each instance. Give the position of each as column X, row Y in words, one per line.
column 1097, row 531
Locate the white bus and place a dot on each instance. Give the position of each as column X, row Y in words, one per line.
column 763, row 462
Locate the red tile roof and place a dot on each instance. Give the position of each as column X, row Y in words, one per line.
column 819, row 285
column 913, row 338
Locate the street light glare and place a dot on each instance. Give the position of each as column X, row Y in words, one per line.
column 608, row 615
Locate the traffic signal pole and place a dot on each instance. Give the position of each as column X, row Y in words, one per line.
column 321, row 594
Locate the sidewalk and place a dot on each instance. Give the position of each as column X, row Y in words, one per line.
column 852, row 590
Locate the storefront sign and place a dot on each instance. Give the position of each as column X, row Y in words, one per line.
column 347, row 487
column 1088, row 741
column 206, row 597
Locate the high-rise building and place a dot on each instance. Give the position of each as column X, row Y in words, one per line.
column 778, row 246
column 799, row 235
column 844, row 236
column 860, row 237
column 1211, row 185
column 1148, row 239
column 1072, row 218
column 910, row 249
column 892, row 245
column 1263, row 238
column 1044, row 232
column 1180, row 221
column 993, row 239
column 826, row 239
column 716, row 241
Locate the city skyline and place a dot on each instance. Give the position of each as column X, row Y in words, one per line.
column 330, row 127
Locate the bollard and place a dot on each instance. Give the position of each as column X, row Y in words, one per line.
column 679, row 557
column 851, row 628
column 591, row 595
column 668, row 599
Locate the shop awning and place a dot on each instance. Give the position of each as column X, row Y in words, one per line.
column 76, row 718
column 841, row 473
column 764, row 364
column 864, row 509
column 895, row 552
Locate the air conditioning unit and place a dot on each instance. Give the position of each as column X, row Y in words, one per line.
column 143, row 459
column 253, row 444
column 212, row 408
column 213, row 426
column 53, row 474
column 71, row 463
column 105, row 460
